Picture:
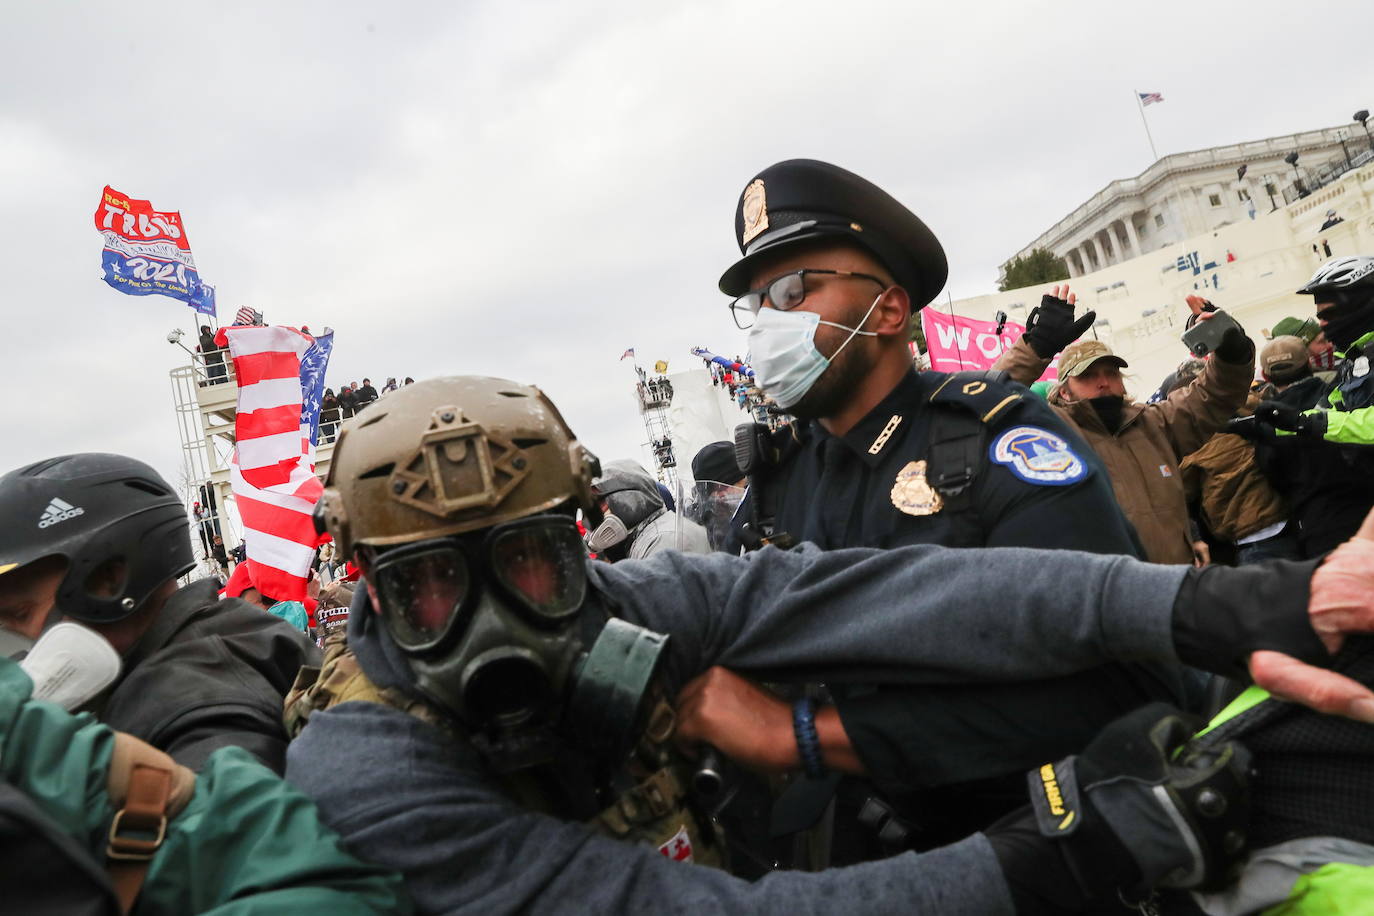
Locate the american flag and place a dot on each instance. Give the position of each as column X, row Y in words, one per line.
column 272, row 472
column 1149, row 98
column 629, row 352
column 248, row 316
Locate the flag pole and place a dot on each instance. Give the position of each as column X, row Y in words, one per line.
column 1141, row 106
column 958, row 350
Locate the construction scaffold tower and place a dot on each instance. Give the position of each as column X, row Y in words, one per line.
column 655, row 397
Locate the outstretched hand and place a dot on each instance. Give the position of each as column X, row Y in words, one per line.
column 1341, row 603
column 1051, row 326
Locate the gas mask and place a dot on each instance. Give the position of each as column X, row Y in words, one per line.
column 493, row 627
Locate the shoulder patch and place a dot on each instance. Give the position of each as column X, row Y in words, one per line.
column 1038, row 456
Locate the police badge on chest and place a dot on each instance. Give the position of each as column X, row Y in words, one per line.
column 913, row 494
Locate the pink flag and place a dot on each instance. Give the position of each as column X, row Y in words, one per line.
column 956, row 343
column 272, row 472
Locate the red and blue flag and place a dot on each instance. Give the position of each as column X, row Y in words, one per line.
column 147, row 253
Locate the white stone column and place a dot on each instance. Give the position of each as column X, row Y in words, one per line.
column 1097, row 247
column 1085, row 255
column 1068, row 262
column 1131, row 236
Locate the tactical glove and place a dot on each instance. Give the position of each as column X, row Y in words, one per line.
column 1050, row 327
column 1250, row 428
column 1140, row 808
column 1291, row 420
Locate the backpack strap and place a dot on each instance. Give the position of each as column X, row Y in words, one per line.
column 958, row 437
column 147, row 788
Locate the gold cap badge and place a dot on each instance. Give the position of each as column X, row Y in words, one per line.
column 755, row 210
column 912, row 494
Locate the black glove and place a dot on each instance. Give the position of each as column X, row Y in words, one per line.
column 1245, row 427
column 1235, row 346
column 1292, row 420
column 1250, row 428
column 1128, row 814
column 1050, row 327
column 1222, row 614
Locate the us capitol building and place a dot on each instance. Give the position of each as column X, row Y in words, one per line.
column 1190, row 224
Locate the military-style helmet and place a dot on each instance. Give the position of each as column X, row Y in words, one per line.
column 1350, row 272
column 451, row 455
column 90, row 509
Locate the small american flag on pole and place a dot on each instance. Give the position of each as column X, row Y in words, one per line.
column 1149, row 98
column 629, row 352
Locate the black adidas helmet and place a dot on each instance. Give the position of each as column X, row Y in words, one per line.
column 89, row 509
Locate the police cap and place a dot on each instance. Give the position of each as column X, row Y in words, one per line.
column 802, row 200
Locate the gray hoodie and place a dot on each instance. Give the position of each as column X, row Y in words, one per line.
column 405, row 795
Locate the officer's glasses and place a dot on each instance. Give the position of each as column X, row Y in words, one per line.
column 784, row 293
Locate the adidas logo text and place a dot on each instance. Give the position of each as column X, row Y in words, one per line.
column 59, row 510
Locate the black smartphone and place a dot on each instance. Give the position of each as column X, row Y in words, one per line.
column 1205, row 336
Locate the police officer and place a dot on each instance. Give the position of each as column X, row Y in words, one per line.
column 833, row 269
column 500, row 678
column 101, row 539
column 1315, row 440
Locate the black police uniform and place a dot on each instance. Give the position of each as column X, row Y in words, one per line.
column 960, row 460
column 853, row 493
column 958, row 745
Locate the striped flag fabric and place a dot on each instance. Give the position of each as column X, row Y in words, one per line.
column 628, row 353
column 1149, row 98
column 272, row 471
column 248, row 316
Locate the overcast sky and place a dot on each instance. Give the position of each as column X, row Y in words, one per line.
column 527, row 189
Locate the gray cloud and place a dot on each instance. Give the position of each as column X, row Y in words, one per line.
column 526, row 189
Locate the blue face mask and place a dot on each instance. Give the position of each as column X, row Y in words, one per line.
column 782, row 348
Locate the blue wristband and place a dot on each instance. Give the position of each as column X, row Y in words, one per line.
column 808, row 742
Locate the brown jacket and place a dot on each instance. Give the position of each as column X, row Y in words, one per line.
column 1231, row 492
column 1143, row 456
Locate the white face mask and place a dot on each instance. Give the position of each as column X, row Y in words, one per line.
column 782, row 347
column 610, row 532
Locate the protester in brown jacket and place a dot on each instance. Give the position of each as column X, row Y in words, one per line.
column 1141, row 444
column 1233, row 497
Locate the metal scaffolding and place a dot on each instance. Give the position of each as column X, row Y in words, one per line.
column 655, row 395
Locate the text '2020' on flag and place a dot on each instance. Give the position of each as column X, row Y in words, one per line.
column 272, row 472
column 147, row 252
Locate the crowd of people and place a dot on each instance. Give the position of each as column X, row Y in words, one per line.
column 530, row 682
column 351, row 398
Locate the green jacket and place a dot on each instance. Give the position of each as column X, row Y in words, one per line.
column 1349, row 402
column 247, row 842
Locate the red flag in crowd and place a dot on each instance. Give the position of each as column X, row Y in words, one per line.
column 272, row 472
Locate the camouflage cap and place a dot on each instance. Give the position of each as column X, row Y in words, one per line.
column 1081, row 354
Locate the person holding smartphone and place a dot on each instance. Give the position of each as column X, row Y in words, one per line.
column 1141, row 444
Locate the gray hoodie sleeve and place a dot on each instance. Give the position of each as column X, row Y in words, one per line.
column 415, row 800
column 918, row 614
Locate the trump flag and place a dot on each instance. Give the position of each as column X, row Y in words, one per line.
column 147, row 253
